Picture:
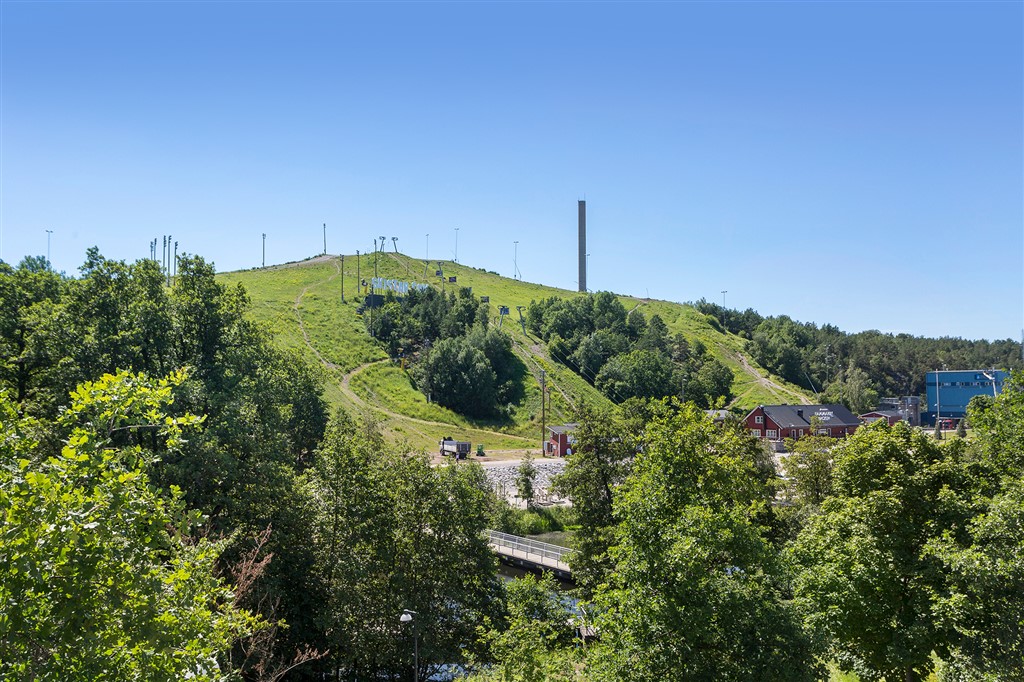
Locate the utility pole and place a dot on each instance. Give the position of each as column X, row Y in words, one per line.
column 515, row 259
column 375, row 258
column 359, row 281
column 456, row 245
column 169, row 240
column 325, row 239
column 175, row 259
column 264, row 250
column 543, row 412
column 342, row 278
column 48, row 233
column 426, row 259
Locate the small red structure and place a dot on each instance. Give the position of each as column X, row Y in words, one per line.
column 561, row 441
column 891, row 416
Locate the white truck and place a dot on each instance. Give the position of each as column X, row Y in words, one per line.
column 456, row 448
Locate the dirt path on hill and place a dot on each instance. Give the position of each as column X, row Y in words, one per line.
column 780, row 392
column 346, row 389
column 346, row 379
column 298, row 315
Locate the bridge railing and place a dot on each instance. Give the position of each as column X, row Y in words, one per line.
column 515, row 543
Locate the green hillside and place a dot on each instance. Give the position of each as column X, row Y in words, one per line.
column 300, row 303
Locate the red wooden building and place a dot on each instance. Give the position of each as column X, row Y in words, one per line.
column 561, row 440
column 776, row 422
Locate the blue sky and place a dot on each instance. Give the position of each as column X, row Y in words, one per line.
column 858, row 164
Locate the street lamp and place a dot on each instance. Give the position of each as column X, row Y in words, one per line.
column 48, row 233
column 456, row 245
column 406, row 617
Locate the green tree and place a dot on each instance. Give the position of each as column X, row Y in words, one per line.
column 531, row 645
column 808, row 467
column 389, row 533
column 865, row 579
column 637, row 374
column 698, row 593
column 598, row 464
column 458, row 375
column 525, row 477
column 99, row 577
column 985, row 565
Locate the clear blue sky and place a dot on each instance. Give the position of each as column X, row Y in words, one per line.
column 859, row 164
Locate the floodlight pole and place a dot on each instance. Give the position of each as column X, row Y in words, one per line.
column 175, row 259
column 515, row 259
column 342, row 278
column 543, row 413
column 264, row 249
column 724, row 292
column 456, row 245
column 48, row 233
column 325, row 239
column 359, row 280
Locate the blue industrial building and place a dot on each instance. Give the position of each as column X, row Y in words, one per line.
column 948, row 392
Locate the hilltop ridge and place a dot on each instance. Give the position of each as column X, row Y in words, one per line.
column 300, row 303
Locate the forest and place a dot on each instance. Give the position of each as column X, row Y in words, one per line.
column 177, row 502
column 624, row 355
column 855, row 369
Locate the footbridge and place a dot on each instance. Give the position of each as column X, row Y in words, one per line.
column 530, row 554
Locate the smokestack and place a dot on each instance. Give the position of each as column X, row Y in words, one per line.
column 583, row 246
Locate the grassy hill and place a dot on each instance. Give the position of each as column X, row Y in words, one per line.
column 300, row 303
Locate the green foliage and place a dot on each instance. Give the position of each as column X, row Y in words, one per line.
column 804, row 353
column 525, row 476
column 508, row 519
column 475, row 375
column 625, row 356
column 391, row 533
column 637, row 374
column 99, row 578
column 597, row 466
column 866, row 581
column 984, row 561
column 264, row 414
column 808, row 468
column 530, row 646
column 853, row 388
column 698, row 593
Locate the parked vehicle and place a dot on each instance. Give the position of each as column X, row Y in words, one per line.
column 456, row 448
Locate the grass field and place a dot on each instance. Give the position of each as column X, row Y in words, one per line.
column 301, row 305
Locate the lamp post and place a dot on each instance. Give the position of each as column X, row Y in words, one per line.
column 724, row 292
column 48, row 233
column 407, row 617
column 456, row 245
column 515, row 260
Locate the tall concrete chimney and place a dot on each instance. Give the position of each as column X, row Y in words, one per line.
column 583, row 246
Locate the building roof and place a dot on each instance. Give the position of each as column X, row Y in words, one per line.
column 564, row 428
column 799, row 416
column 883, row 413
